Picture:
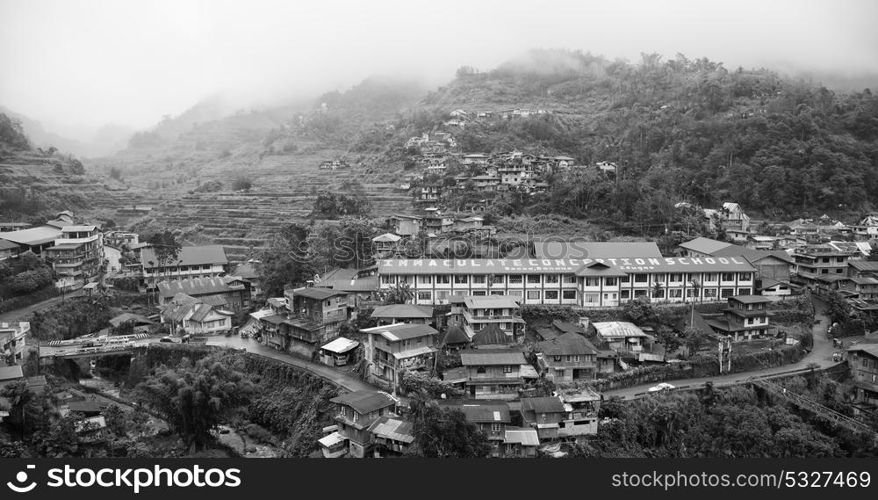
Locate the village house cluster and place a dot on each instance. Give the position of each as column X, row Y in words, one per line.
column 472, row 310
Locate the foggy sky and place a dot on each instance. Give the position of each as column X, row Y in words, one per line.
column 86, row 63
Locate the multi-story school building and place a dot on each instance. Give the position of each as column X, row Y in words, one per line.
column 584, row 282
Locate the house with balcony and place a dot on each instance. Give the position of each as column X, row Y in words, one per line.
column 818, row 261
column 355, row 414
column 12, row 340
column 78, row 253
column 861, row 287
column 862, row 359
column 745, row 318
column 208, row 261
column 315, row 316
column 493, row 373
column 394, row 349
column 567, row 357
column 478, row 312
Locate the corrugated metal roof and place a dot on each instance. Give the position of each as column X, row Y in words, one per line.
column 189, row 256
column 33, row 236
column 341, row 345
column 618, row 329
column 525, row 437
column 486, row 357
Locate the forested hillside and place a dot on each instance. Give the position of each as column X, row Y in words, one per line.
column 679, row 130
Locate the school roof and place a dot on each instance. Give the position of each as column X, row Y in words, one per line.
column 704, row 245
column 569, row 344
column 486, row 357
column 561, row 266
column 365, row 401
column 618, row 329
column 188, row 256
column 341, row 345
column 194, row 287
column 594, row 249
column 403, row 311
column 33, row 236
column 402, row 331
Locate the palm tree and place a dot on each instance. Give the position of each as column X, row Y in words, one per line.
column 658, row 291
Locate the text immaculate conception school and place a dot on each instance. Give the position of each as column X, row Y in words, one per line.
column 581, row 282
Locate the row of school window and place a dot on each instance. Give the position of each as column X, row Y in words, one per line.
column 552, row 279
column 591, row 298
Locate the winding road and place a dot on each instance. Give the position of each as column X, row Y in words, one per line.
column 820, row 355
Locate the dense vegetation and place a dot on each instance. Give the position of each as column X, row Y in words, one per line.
column 738, row 422
column 679, row 130
column 24, row 280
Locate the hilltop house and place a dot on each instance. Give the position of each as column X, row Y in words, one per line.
column 493, row 373
column 397, row 348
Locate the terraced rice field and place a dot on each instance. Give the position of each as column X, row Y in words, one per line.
column 284, row 190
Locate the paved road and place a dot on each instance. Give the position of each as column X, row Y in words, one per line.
column 821, row 355
column 345, row 379
column 19, row 314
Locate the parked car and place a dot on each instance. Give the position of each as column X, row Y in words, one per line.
column 664, row 386
column 166, row 339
